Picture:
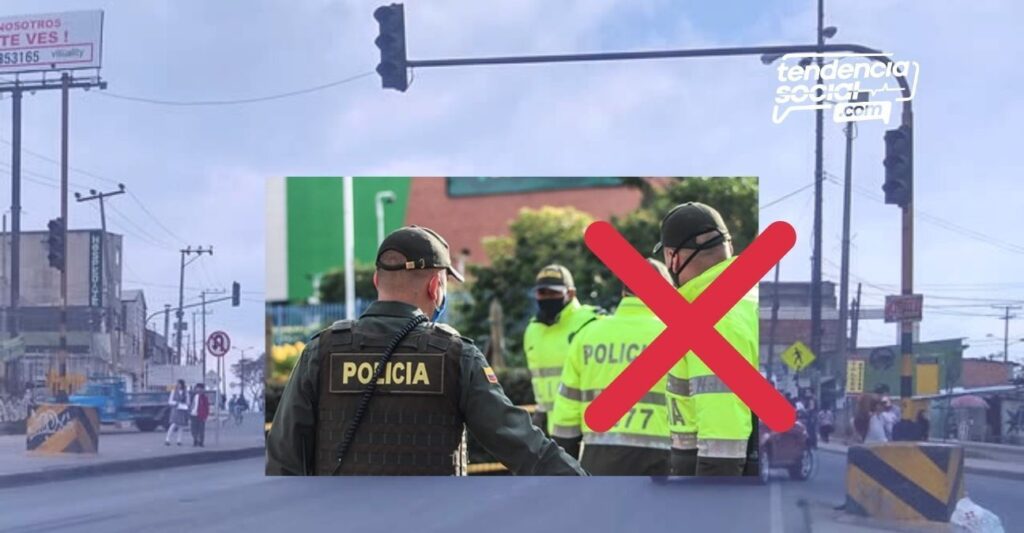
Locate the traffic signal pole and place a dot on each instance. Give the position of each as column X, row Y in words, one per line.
column 394, row 66
column 62, row 350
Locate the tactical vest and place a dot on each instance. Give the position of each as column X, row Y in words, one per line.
column 413, row 425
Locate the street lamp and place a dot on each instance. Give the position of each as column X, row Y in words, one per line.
column 379, row 199
column 824, row 32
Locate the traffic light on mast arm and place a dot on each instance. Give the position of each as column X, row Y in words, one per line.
column 236, row 294
column 391, row 42
column 899, row 157
column 55, row 243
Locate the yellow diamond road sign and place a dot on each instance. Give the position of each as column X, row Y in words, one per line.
column 798, row 356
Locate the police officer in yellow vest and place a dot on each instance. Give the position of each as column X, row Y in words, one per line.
column 638, row 445
column 392, row 392
column 546, row 340
column 710, row 426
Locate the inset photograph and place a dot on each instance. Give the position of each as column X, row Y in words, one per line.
column 462, row 326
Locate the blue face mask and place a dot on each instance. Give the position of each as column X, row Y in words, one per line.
column 439, row 311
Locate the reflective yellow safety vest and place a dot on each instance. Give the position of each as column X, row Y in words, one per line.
column 703, row 412
column 598, row 354
column 546, row 346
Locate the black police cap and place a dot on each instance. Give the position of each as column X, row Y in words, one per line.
column 422, row 247
column 682, row 225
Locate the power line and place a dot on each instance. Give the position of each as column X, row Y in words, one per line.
column 785, row 196
column 938, row 221
column 238, row 101
column 155, row 218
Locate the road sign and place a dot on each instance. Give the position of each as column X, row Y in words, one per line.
column 689, row 326
column 218, row 343
column 798, row 356
column 855, row 376
column 51, row 42
column 903, row 307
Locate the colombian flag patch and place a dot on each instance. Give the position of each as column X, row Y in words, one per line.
column 490, row 374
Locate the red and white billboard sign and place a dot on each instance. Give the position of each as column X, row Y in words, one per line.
column 904, row 307
column 51, row 42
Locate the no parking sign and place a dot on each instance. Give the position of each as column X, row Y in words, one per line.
column 218, row 343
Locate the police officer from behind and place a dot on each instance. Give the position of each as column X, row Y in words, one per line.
column 710, row 426
column 546, row 340
column 390, row 393
column 638, row 445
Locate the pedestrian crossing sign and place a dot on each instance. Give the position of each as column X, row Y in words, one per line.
column 798, row 356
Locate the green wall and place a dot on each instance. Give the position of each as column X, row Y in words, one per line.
column 315, row 233
column 948, row 354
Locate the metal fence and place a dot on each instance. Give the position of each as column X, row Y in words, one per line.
column 292, row 323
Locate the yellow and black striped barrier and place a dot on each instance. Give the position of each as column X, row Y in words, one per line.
column 62, row 428
column 914, row 481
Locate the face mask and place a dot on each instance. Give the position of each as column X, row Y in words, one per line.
column 547, row 310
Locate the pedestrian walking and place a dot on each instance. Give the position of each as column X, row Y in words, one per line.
column 394, row 391
column 923, row 425
column 199, row 413
column 826, row 422
column 178, row 402
column 877, row 424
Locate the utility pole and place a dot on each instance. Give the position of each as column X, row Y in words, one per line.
column 198, row 251
column 844, row 270
column 13, row 325
column 818, row 200
column 771, row 327
column 94, row 195
column 1006, row 329
column 202, row 342
column 62, row 350
column 855, row 321
column 167, row 322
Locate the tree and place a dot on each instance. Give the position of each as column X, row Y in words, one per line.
column 250, row 374
column 536, row 238
column 332, row 284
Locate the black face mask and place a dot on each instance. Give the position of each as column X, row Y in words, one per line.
column 547, row 310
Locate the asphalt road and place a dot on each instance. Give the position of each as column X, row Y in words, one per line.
column 235, row 496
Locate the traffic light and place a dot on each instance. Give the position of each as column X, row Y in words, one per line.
column 898, row 163
column 236, row 294
column 391, row 42
column 55, row 243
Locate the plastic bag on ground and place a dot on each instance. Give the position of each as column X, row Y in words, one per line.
column 969, row 517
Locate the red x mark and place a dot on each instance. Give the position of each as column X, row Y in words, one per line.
column 690, row 326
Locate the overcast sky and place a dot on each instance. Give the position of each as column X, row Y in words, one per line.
column 199, row 169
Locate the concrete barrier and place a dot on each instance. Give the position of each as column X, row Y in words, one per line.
column 915, row 481
column 63, row 428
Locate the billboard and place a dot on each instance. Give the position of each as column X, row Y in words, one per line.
column 95, row 269
column 51, row 42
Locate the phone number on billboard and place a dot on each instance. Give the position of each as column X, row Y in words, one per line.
column 19, row 58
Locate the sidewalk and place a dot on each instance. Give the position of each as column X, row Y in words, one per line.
column 1009, row 465
column 126, row 450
